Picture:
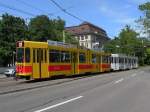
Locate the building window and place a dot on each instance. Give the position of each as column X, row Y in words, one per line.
column 86, row 37
column 82, row 44
column 87, row 45
column 82, row 37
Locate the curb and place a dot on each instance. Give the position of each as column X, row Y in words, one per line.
column 36, row 87
column 2, row 76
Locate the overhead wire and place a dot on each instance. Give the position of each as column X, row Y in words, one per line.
column 34, row 7
column 65, row 11
column 31, row 6
column 15, row 9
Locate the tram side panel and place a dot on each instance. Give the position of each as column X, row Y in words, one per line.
column 83, row 62
column 31, row 61
column 94, row 56
column 60, row 62
column 114, row 62
column 105, row 62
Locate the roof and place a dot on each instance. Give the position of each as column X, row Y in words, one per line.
column 90, row 24
column 86, row 28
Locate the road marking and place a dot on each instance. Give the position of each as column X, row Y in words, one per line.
column 118, row 81
column 56, row 105
column 133, row 75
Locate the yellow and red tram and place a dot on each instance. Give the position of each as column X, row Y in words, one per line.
column 35, row 60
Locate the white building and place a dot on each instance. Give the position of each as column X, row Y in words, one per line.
column 89, row 35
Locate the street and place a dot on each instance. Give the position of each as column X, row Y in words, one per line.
column 125, row 91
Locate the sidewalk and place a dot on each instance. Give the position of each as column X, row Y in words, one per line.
column 2, row 76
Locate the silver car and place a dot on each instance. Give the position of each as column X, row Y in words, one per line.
column 10, row 72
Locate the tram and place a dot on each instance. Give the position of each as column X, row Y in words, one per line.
column 123, row 62
column 38, row 60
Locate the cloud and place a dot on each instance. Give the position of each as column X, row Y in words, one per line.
column 120, row 14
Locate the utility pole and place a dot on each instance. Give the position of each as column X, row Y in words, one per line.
column 64, row 36
column 142, row 52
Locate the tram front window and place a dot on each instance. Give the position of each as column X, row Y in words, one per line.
column 20, row 55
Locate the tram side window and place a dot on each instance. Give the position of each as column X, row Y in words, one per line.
column 104, row 59
column 111, row 59
column 116, row 59
column 65, row 57
column 20, row 55
column 94, row 58
column 82, row 58
column 125, row 60
column 54, row 56
column 27, row 54
column 119, row 60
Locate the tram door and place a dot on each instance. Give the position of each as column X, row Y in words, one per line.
column 74, row 63
column 40, row 66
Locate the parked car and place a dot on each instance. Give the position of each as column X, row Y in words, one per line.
column 10, row 72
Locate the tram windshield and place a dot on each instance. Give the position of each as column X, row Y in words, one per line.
column 20, row 55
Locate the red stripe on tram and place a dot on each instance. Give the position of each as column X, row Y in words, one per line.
column 59, row 67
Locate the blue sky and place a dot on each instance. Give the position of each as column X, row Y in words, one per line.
column 111, row 15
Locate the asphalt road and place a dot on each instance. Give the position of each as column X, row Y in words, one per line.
column 127, row 91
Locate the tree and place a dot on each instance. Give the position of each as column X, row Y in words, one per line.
column 39, row 28
column 70, row 39
column 42, row 28
column 145, row 21
column 126, row 42
column 111, row 46
column 12, row 29
column 147, row 59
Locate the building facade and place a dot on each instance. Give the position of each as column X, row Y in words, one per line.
column 89, row 35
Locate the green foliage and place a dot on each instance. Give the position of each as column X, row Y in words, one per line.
column 12, row 29
column 125, row 43
column 147, row 59
column 128, row 43
column 40, row 28
column 70, row 39
column 128, row 40
column 145, row 20
column 112, row 45
column 145, row 6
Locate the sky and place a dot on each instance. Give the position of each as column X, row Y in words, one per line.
column 111, row 15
